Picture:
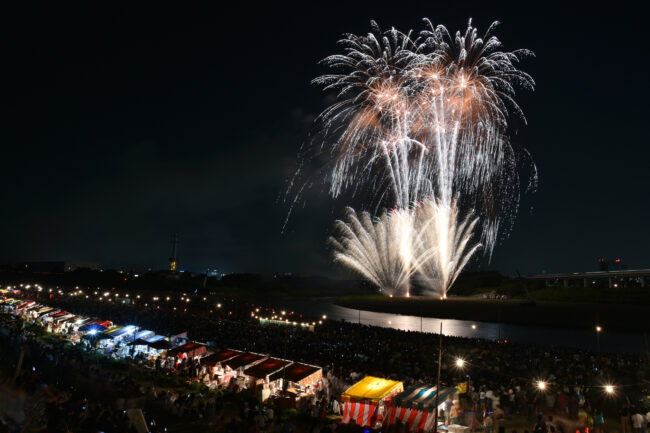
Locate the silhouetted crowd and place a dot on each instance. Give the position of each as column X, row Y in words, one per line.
column 503, row 375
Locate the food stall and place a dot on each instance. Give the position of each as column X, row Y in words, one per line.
column 115, row 339
column 190, row 349
column 94, row 331
column 43, row 313
column 214, row 363
column 259, row 374
column 144, row 334
column 159, row 343
column 416, row 407
column 143, row 342
column 21, row 305
column 66, row 325
column 364, row 403
column 94, row 327
column 27, row 309
column 236, row 366
column 301, row 378
column 49, row 319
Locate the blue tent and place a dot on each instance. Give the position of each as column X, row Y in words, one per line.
column 415, row 406
column 93, row 328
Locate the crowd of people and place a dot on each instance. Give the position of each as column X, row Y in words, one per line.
column 57, row 389
column 503, row 377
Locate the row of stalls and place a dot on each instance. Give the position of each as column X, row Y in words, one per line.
column 381, row 403
column 121, row 341
column 228, row 367
column 267, row 375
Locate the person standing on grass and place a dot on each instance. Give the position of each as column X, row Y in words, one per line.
column 624, row 416
column 488, row 423
column 455, row 412
column 637, row 422
column 599, row 421
column 540, row 425
column 563, row 403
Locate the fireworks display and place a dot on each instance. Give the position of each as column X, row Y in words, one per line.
column 421, row 120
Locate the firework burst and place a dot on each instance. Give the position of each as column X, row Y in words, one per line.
column 418, row 116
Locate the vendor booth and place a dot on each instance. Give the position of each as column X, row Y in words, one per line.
column 191, row 349
column 158, row 343
column 44, row 312
column 49, row 318
column 415, row 407
column 260, row 372
column 95, row 327
column 214, row 360
column 236, row 366
column 23, row 304
column 364, row 403
column 112, row 340
column 216, row 366
column 25, row 310
column 301, row 378
column 147, row 345
column 144, row 334
column 244, row 361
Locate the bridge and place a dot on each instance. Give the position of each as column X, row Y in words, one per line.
column 620, row 278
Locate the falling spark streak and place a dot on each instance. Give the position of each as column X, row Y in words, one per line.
column 381, row 250
column 452, row 240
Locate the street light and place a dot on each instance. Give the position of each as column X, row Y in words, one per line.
column 460, row 362
column 541, row 385
column 609, row 389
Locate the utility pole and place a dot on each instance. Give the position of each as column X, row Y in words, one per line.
column 435, row 419
column 647, row 350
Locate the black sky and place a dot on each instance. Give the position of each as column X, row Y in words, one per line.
column 122, row 125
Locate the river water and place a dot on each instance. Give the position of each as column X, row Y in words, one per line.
column 547, row 336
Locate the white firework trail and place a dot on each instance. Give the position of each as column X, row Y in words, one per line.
column 381, row 250
column 439, row 227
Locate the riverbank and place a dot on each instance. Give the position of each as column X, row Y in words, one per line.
column 573, row 315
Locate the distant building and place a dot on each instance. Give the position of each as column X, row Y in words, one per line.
column 56, row 267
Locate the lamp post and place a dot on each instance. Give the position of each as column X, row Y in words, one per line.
column 599, row 329
column 460, row 366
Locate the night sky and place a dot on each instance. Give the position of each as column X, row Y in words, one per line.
column 122, row 126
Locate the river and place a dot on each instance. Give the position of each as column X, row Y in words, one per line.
column 536, row 335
